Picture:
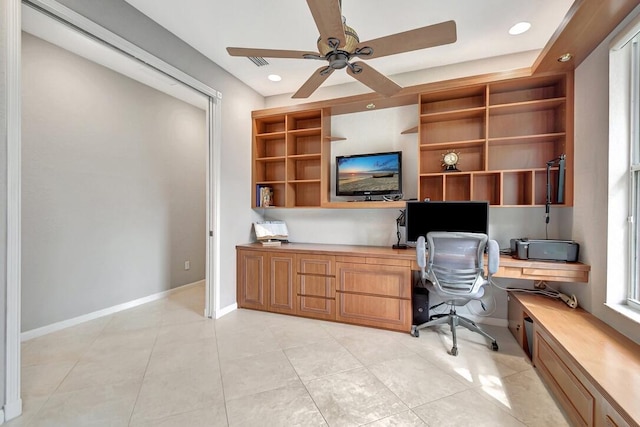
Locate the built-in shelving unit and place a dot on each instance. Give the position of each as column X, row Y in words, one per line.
column 505, row 132
column 288, row 150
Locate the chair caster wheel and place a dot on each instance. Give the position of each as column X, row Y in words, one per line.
column 454, row 351
column 415, row 332
column 494, row 346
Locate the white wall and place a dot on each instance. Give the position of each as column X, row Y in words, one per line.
column 237, row 103
column 113, row 188
column 591, row 184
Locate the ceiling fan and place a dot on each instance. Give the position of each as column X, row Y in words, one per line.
column 339, row 44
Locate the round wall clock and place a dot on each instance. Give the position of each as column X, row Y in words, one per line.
column 450, row 161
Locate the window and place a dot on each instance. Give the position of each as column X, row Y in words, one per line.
column 633, row 297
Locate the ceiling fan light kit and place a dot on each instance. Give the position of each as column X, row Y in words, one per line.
column 339, row 44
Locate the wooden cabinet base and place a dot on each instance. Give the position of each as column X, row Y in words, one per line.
column 591, row 369
column 372, row 289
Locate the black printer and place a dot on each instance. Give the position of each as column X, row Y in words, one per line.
column 545, row 250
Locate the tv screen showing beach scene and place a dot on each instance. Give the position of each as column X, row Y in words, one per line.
column 369, row 174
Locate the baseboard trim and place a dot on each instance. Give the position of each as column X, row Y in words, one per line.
column 54, row 327
column 226, row 310
column 12, row 410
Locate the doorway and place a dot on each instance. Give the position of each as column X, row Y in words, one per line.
column 212, row 98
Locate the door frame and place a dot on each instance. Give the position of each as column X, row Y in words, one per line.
column 13, row 403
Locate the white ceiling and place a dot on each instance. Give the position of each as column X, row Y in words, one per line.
column 482, row 25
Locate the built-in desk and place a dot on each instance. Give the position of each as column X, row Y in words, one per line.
column 363, row 285
column 592, row 369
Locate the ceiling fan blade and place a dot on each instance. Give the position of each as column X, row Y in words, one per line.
column 317, row 78
column 372, row 78
column 269, row 53
column 420, row 38
column 328, row 19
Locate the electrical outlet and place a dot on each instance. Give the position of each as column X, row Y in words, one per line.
column 187, row 265
column 540, row 285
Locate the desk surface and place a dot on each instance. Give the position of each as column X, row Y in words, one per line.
column 509, row 267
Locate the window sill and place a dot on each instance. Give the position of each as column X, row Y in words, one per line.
column 625, row 310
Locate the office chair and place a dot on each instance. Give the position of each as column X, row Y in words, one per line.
column 455, row 272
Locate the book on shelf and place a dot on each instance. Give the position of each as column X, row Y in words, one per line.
column 271, row 243
column 264, row 196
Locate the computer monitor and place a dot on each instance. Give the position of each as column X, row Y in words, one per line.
column 423, row 217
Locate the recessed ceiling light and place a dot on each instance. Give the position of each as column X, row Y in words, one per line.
column 519, row 28
column 274, row 77
column 565, row 58
column 371, row 106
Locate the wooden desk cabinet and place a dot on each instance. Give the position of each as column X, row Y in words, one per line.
column 592, row 369
column 361, row 285
column 266, row 281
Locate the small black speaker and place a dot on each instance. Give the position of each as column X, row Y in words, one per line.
column 420, row 302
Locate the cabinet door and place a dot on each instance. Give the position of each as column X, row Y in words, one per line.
column 374, row 295
column 576, row 395
column 251, row 273
column 282, row 297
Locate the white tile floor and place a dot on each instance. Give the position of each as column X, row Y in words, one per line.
column 163, row 364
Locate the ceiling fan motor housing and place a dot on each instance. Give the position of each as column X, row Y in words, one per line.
column 349, row 47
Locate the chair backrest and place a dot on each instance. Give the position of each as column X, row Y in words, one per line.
column 456, row 262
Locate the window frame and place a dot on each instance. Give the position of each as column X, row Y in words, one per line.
column 633, row 293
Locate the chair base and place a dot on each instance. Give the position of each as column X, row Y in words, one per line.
column 454, row 320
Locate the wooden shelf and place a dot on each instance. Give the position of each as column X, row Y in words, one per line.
column 527, row 106
column 451, row 144
column 505, row 133
column 288, row 157
column 365, row 205
column 453, row 115
column 271, row 159
column 504, row 130
column 410, row 131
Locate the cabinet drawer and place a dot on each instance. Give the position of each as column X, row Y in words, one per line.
column 316, row 307
column 382, row 280
column 323, row 265
column 611, row 417
column 319, row 286
column 353, row 259
column 577, row 400
column 369, row 310
column 389, row 261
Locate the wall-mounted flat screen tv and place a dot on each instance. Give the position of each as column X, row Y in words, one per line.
column 369, row 174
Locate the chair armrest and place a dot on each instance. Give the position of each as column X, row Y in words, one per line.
column 493, row 251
